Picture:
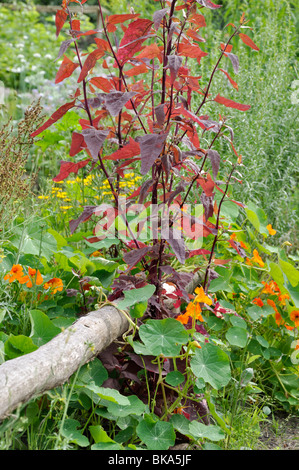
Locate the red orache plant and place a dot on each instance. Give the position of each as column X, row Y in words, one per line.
column 155, row 105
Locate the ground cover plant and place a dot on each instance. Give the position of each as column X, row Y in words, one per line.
column 154, row 225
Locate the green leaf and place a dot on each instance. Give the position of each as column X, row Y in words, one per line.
column 253, row 219
column 134, row 296
column 174, row 378
column 16, row 346
column 138, row 310
column 107, row 395
column 238, row 321
column 236, row 336
column 107, row 446
column 43, row 330
column 290, row 271
column 136, row 407
column 211, row 363
column 99, row 434
column 202, row 431
column 180, row 423
column 158, row 435
column 164, row 337
column 32, row 240
column 263, row 342
column 93, row 372
column 71, row 433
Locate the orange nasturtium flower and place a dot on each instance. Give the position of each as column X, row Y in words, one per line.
column 16, row 273
column 271, row 230
column 54, row 285
column 278, row 318
column 202, row 297
column 34, row 277
column 258, row 301
column 294, row 316
column 257, row 259
column 192, row 310
column 271, row 288
column 282, row 298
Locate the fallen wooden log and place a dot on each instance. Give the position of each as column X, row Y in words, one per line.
column 52, row 364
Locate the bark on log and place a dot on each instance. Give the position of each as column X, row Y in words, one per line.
column 53, row 363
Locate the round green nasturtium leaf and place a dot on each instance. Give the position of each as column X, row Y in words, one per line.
column 238, row 321
column 135, row 296
column 43, row 330
column 174, row 378
column 158, row 435
column 138, row 310
column 263, row 342
column 211, row 364
column 202, row 431
column 19, row 345
column 70, row 431
column 236, row 336
column 164, row 337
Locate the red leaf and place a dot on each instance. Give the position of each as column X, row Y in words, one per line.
column 101, row 83
column 115, row 19
column 194, row 52
column 234, row 84
column 90, row 62
column 199, row 20
column 198, row 252
column 150, row 52
column 69, row 167
column 128, row 151
column 75, row 25
column 77, row 144
column 138, row 69
column 249, row 42
column 207, row 185
column 231, row 104
column 55, row 117
column 60, row 19
column 65, row 70
column 133, row 38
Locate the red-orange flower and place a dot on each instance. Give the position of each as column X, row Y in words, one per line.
column 271, row 230
column 278, row 318
column 258, row 301
column 15, row 273
column 55, row 284
column 294, row 316
column 282, row 298
column 271, row 288
column 257, row 259
column 202, row 297
column 34, row 277
column 192, row 310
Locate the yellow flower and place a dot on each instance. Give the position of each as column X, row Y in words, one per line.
column 43, row 197
column 271, row 230
column 202, row 297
